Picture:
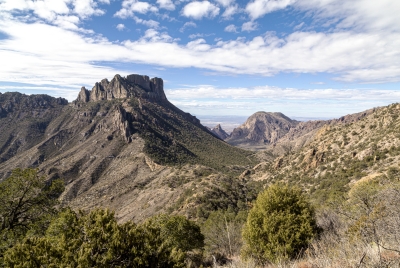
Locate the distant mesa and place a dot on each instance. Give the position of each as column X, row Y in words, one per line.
column 119, row 87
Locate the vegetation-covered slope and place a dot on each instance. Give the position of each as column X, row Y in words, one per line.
column 340, row 154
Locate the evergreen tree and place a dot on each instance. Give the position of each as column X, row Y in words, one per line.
column 279, row 226
column 27, row 203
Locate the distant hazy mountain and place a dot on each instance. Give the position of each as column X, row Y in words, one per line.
column 219, row 132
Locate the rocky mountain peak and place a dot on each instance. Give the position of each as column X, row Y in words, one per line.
column 119, row 87
column 219, row 132
column 261, row 128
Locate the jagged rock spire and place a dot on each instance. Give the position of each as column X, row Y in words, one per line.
column 124, row 87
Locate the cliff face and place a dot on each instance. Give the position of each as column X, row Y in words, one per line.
column 133, row 85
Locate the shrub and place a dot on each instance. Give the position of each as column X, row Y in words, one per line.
column 222, row 231
column 279, row 226
column 97, row 240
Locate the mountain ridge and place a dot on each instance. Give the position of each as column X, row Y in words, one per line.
column 115, row 152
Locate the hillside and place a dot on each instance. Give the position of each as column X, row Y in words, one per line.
column 120, row 145
column 260, row 130
column 123, row 145
column 338, row 154
column 24, row 119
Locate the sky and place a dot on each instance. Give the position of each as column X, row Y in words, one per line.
column 227, row 58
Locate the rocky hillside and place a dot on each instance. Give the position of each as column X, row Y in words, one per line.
column 121, row 145
column 24, row 119
column 341, row 152
column 304, row 132
column 260, row 130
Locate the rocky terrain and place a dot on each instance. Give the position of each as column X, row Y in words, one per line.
column 121, row 145
column 24, row 120
column 337, row 154
column 124, row 146
column 260, row 130
column 219, row 132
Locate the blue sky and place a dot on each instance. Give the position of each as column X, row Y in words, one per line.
column 305, row 58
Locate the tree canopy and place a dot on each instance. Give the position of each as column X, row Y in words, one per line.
column 27, row 202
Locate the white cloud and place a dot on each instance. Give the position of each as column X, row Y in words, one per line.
column 225, row 3
column 187, row 25
column 230, row 11
column 270, row 92
column 249, row 26
column 363, row 15
column 129, row 7
column 230, row 28
column 198, row 10
column 258, row 8
column 198, row 45
column 206, row 99
column 152, row 36
column 64, row 13
column 298, row 26
column 67, row 22
column 37, row 53
column 149, row 23
column 63, row 92
column 166, row 4
column 86, row 8
column 120, row 27
column 197, row 35
column 193, row 36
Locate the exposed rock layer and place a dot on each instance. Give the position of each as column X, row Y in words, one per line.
column 133, row 85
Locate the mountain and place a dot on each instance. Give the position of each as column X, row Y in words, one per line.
column 217, row 130
column 304, row 132
column 120, row 145
column 337, row 154
column 260, row 130
column 24, row 119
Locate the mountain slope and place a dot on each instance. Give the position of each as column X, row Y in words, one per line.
column 339, row 154
column 304, row 132
column 117, row 144
column 23, row 121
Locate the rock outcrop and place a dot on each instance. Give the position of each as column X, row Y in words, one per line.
column 219, row 132
column 119, row 87
column 262, row 128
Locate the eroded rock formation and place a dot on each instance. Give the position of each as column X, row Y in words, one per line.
column 119, row 87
